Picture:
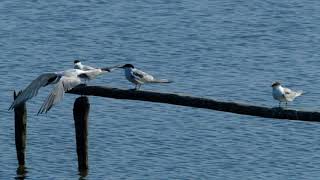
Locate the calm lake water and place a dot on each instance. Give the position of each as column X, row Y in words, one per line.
column 225, row 50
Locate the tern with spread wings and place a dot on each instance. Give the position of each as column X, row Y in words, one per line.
column 62, row 81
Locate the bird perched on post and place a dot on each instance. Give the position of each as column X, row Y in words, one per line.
column 79, row 65
column 63, row 81
column 283, row 94
column 139, row 77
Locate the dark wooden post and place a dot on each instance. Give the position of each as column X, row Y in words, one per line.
column 80, row 114
column 20, row 123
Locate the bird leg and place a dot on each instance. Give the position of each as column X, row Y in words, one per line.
column 134, row 89
column 137, row 87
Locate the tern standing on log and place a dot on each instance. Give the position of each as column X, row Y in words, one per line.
column 139, row 77
column 283, row 94
column 79, row 65
column 63, row 81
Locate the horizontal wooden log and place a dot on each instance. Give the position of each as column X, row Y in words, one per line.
column 197, row 102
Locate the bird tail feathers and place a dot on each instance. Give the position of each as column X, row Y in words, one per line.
column 299, row 93
column 161, row 81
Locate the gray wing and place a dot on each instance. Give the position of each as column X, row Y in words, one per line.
column 141, row 76
column 287, row 91
column 86, row 68
column 291, row 95
column 32, row 89
column 57, row 93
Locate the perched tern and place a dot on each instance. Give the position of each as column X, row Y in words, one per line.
column 79, row 65
column 283, row 94
column 139, row 77
column 63, row 81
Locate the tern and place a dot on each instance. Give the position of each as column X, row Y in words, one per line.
column 79, row 65
column 139, row 77
column 63, row 81
column 283, row 94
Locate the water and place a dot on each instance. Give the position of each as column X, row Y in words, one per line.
column 225, row 50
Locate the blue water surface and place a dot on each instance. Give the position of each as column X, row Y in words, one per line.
column 229, row 50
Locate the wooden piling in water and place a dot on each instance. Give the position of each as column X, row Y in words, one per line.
column 20, row 124
column 184, row 100
column 80, row 114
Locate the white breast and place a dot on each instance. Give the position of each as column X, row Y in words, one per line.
column 278, row 93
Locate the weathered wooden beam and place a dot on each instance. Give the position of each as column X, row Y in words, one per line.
column 80, row 114
column 20, row 123
column 184, row 100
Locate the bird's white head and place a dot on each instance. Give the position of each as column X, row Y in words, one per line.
column 275, row 84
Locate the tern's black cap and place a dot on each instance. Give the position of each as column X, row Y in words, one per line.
column 128, row 66
column 275, row 84
column 76, row 61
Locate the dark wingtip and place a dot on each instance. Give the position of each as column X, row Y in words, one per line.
column 13, row 104
column 39, row 112
column 106, row 69
column 11, row 107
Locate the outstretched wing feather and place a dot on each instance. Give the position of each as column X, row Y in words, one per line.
column 57, row 93
column 33, row 88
